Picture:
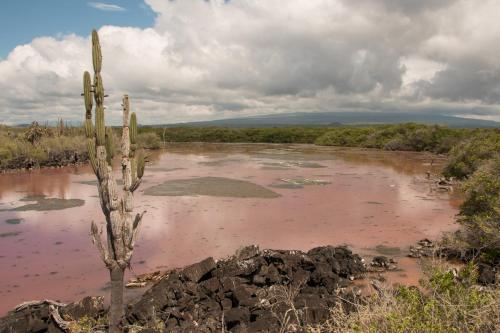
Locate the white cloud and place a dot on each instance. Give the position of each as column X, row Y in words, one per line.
column 212, row 59
column 106, row 6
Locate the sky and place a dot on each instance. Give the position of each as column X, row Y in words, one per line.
column 193, row 60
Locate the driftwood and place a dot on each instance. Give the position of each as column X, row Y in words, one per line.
column 64, row 325
column 30, row 304
column 142, row 280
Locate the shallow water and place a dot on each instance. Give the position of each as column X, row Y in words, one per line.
column 374, row 201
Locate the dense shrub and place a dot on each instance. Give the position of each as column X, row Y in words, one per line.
column 346, row 136
column 149, row 140
column 448, row 304
column 412, row 137
column 241, row 135
column 468, row 155
column 480, row 211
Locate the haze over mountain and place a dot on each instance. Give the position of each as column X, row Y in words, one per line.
column 345, row 118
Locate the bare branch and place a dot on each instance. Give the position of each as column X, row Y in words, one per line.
column 135, row 229
column 28, row 304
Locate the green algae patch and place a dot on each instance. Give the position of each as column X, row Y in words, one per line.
column 387, row 250
column 211, row 186
column 286, row 186
column 10, row 234
column 14, row 221
column 41, row 204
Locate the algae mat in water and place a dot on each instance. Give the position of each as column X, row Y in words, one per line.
column 211, row 186
column 13, row 221
column 42, row 203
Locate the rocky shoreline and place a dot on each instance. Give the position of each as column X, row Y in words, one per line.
column 252, row 291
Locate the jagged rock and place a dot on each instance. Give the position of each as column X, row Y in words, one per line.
column 196, row 272
column 236, row 267
column 247, row 252
column 383, row 262
column 487, row 274
column 236, row 316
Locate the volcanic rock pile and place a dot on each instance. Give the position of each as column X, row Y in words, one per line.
column 252, row 291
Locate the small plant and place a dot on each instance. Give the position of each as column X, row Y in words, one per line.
column 35, row 133
column 117, row 205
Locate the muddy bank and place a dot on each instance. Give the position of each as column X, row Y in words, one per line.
column 251, row 291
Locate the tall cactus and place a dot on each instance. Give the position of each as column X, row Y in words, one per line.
column 121, row 224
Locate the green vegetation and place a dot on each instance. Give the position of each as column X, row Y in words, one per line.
column 39, row 146
column 480, row 211
column 149, row 141
column 413, row 137
column 44, row 146
column 241, row 135
column 468, row 155
column 449, row 304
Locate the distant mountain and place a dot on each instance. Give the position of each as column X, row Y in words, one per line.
column 341, row 118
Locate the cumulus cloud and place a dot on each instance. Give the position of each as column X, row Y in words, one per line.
column 106, row 6
column 212, row 59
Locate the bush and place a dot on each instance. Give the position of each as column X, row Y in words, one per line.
column 411, row 137
column 467, row 156
column 480, row 211
column 149, row 140
column 449, row 304
column 346, row 136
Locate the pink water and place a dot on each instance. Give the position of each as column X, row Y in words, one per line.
column 375, row 198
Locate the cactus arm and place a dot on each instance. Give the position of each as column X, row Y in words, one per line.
column 96, row 239
column 87, row 93
column 135, row 229
column 96, row 52
column 109, row 145
column 125, row 145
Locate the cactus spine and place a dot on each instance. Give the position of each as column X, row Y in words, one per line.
column 121, row 224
